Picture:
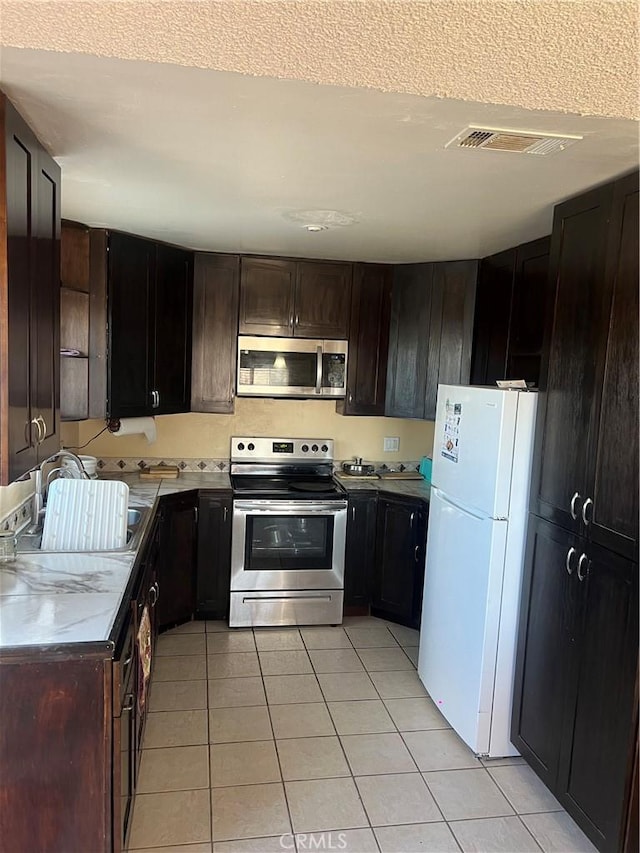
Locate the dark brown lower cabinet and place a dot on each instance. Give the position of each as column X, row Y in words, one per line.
column 398, row 569
column 575, row 697
column 177, row 558
column 214, row 554
column 360, row 549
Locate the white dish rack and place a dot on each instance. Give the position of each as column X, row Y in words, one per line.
column 85, row 515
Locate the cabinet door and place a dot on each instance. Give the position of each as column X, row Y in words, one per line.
column 360, row 548
column 532, row 305
column 215, row 320
column 267, row 288
column 614, row 488
column 172, row 330
column 130, row 308
column 18, row 436
column 408, row 340
column 546, row 645
column 399, row 561
column 368, row 341
column 492, row 314
column 600, row 733
column 322, row 300
column 566, row 407
column 450, row 328
column 45, row 312
column 176, row 569
column 214, row 555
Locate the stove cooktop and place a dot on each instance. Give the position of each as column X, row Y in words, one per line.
column 284, row 487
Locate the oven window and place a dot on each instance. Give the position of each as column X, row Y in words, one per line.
column 289, row 542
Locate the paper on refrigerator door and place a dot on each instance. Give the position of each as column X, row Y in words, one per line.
column 451, row 431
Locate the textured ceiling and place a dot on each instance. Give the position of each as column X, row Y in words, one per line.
column 203, row 123
column 563, row 55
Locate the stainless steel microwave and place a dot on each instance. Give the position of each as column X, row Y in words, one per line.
column 291, row 367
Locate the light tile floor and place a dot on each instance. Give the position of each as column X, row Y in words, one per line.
column 321, row 739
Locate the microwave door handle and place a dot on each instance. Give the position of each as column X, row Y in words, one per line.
column 319, row 370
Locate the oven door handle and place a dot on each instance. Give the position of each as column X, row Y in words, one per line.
column 305, row 507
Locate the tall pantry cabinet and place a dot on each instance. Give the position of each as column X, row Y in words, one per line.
column 575, row 697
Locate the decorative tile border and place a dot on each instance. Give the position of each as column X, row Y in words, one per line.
column 19, row 516
column 127, row 464
column 113, row 464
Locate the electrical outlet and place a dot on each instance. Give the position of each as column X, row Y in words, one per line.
column 391, row 444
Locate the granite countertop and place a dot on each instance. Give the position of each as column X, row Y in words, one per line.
column 50, row 599
column 409, row 488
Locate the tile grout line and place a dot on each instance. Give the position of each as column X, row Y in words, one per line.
column 275, row 742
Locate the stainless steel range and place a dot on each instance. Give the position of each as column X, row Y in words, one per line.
column 288, row 535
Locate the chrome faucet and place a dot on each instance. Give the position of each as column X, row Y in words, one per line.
column 40, row 486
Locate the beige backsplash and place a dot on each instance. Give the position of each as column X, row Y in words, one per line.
column 204, row 435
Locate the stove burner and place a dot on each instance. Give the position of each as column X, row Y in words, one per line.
column 308, row 487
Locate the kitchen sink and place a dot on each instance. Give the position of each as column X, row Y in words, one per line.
column 136, row 518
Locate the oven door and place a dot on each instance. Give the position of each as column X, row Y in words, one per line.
column 288, row 545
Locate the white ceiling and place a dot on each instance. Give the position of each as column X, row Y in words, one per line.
column 218, row 160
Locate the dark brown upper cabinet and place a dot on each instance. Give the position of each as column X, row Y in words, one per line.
column 513, row 303
column 150, row 292
column 585, row 470
column 368, row 341
column 215, row 319
column 29, row 315
column 431, row 329
column 284, row 298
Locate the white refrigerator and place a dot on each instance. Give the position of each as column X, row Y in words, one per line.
column 475, row 549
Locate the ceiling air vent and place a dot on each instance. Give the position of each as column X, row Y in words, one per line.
column 519, row 141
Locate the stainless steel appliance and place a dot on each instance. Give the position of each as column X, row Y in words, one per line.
column 291, row 367
column 288, row 533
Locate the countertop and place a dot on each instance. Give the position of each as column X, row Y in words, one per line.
column 50, row 599
column 410, row 488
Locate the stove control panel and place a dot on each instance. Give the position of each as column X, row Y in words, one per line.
column 254, row 449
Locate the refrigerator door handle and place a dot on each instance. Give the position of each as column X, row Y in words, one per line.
column 458, row 506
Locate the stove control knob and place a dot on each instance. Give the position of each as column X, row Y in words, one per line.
column 240, row 446
column 314, row 447
column 324, row 448
column 251, row 447
column 305, row 448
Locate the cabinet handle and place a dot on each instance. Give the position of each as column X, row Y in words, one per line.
column 157, row 586
column 567, row 562
column 583, row 559
column 585, row 506
column 128, row 705
column 27, row 431
column 572, row 509
column 152, row 589
column 350, row 397
column 225, row 513
column 411, row 517
column 195, row 514
column 416, row 553
column 127, row 661
column 297, row 320
column 291, row 319
column 353, row 513
column 42, row 421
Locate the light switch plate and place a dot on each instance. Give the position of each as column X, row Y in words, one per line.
column 391, row 444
